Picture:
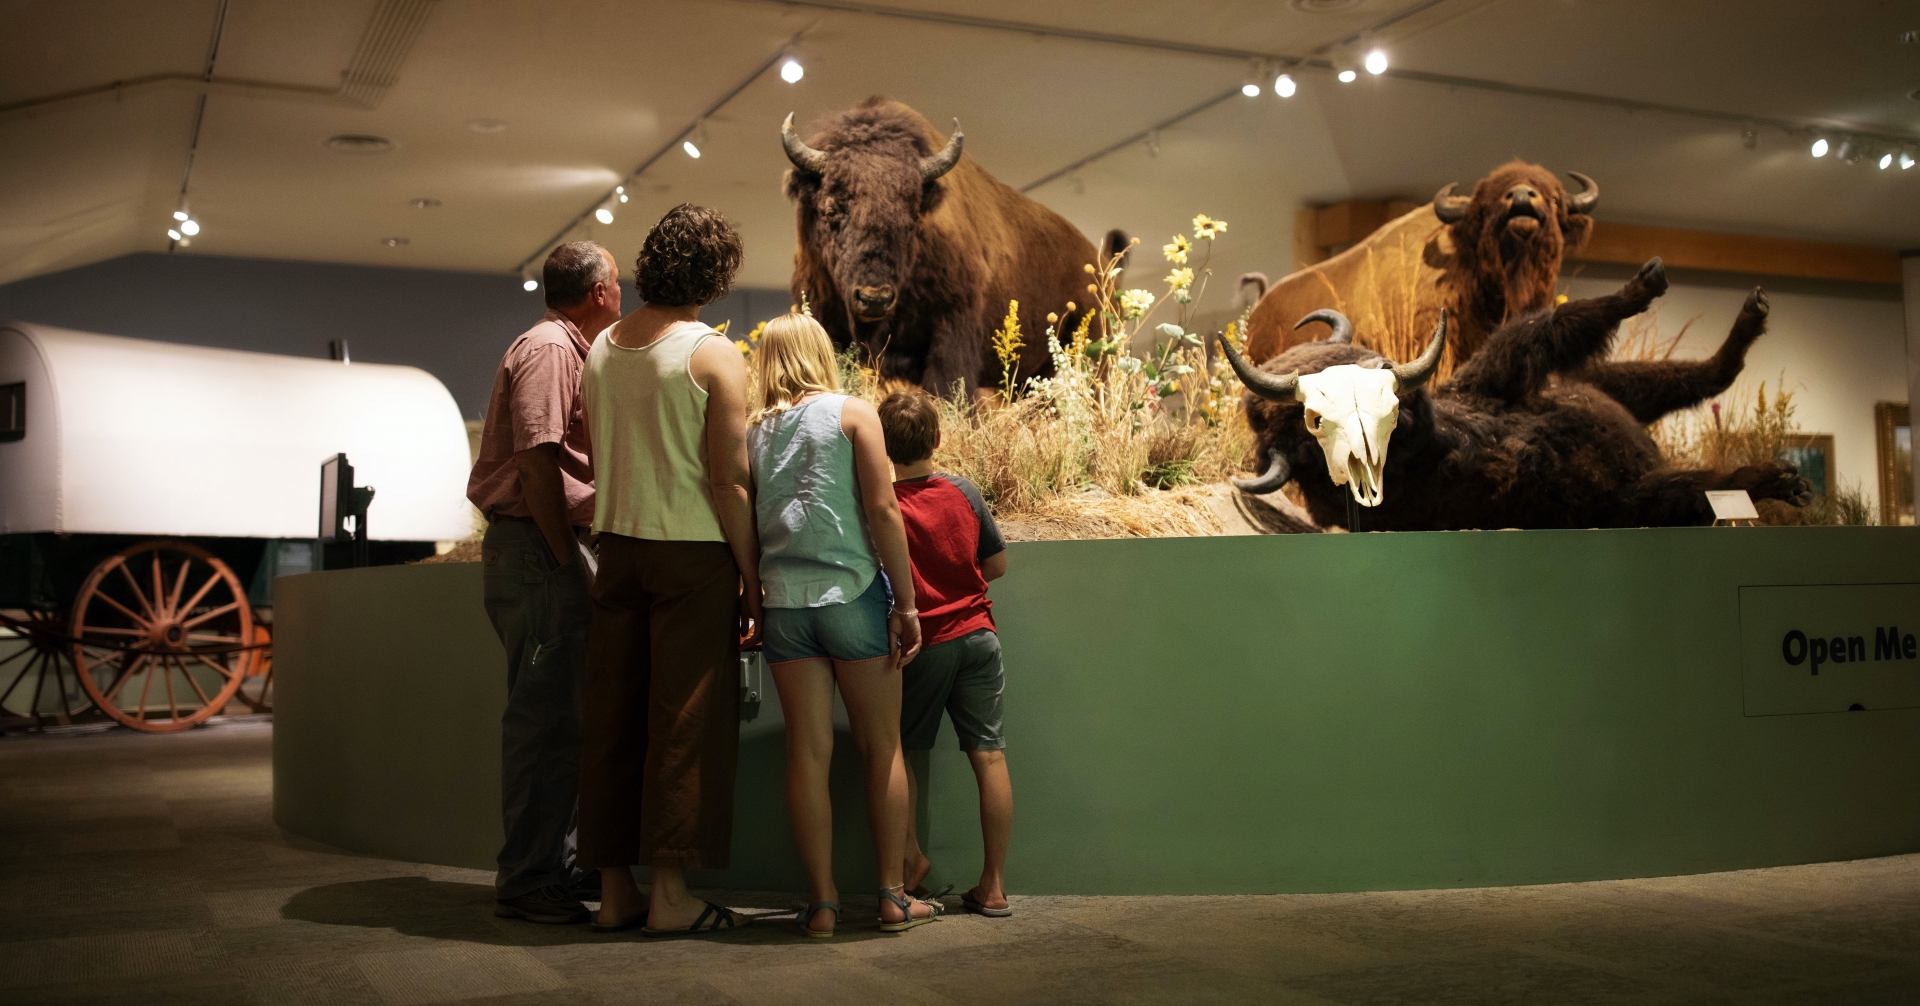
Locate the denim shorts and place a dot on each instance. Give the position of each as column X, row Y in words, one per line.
column 851, row 630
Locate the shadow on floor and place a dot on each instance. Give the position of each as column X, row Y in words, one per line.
column 445, row 910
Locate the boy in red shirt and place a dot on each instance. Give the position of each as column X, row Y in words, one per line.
column 956, row 549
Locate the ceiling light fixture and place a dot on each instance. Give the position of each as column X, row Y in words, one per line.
column 393, row 242
column 190, row 227
column 1749, row 135
column 180, row 214
column 1377, row 62
column 1906, row 160
column 174, row 234
column 424, row 204
column 791, row 71
column 693, row 143
column 1849, row 150
column 1819, row 148
column 604, row 214
column 358, row 143
column 1886, row 161
column 528, row 283
column 486, row 125
column 1348, row 76
column 621, row 191
column 1284, row 86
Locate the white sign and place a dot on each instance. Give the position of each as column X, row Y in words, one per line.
column 1732, row 504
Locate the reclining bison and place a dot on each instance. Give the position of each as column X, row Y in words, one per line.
column 911, row 251
column 1485, row 259
column 1538, row 430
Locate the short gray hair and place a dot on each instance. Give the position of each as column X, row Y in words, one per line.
column 571, row 271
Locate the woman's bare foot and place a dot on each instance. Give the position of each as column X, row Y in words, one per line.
column 620, row 899
column 916, row 875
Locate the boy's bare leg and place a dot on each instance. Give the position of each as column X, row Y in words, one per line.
column 620, row 900
column 917, row 865
column 996, row 824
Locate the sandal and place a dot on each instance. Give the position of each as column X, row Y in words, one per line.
column 807, row 914
column 722, row 920
column 905, row 904
column 923, row 894
column 620, row 927
column 972, row 904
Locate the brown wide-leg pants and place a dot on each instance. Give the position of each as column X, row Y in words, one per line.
column 662, row 725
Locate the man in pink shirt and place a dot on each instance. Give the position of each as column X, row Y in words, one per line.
column 534, row 483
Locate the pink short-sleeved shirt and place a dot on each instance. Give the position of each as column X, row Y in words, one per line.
column 536, row 400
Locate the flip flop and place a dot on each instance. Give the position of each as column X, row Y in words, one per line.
column 722, row 921
column 806, row 918
column 971, row 904
column 620, row 927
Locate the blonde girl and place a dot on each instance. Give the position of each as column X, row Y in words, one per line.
column 839, row 606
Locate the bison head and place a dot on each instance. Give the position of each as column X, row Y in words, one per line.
column 861, row 196
column 1351, row 409
column 1511, row 233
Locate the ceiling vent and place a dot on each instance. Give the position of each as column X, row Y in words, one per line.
column 355, row 143
column 1325, row 6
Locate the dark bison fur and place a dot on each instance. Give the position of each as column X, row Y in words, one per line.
column 936, row 258
column 1538, row 430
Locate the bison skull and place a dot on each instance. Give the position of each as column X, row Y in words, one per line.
column 1351, row 409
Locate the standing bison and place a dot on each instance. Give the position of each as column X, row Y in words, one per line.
column 1485, row 259
column 909, row 250
column 1538, row 430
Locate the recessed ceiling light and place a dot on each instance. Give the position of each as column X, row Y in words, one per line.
column 356, row 143
column 424, row 204
column 393, row 242
column 486, row 125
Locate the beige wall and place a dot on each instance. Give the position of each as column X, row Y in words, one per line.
column 1841, row 347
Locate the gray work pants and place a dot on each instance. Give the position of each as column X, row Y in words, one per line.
column 540, row 611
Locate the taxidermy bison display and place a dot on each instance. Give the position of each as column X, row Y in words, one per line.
column 909, row 250
column 1485, row 259
column 1538, row 430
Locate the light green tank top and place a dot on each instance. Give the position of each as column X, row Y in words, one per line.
column 648, row 421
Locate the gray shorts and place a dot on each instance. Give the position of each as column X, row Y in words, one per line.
column 962, row 676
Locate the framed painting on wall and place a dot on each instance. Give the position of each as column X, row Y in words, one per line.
column 1893, row 443
column 1812, row 453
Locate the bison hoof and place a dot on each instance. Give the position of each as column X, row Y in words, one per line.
column 1787, row 486
column 1757, row 303
column 1653, row 276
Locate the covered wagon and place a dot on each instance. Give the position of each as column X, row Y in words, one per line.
column 150, row 492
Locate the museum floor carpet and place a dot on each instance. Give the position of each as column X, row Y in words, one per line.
column 146, row 870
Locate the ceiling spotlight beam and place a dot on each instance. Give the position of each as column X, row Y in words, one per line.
column 611, row 196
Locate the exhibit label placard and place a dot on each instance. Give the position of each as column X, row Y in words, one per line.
column 1830, row 648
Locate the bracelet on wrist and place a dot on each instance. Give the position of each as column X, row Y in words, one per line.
column 915, row 612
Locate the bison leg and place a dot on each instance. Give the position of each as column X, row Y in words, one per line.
column 955, row 356
column 1518, row 360
column 1652, row 388
column 1672, row 497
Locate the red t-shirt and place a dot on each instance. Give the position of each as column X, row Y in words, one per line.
column 949, row 531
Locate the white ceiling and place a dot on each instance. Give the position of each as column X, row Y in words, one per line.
column 588, row 89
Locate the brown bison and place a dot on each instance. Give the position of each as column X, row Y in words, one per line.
column 1485, row 259
column 909, row 250
column 1538, row 430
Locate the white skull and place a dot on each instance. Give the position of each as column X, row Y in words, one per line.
column 1352, row 411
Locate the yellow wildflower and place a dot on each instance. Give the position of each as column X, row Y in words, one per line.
column 1177, row 251
column 1134, row 303
column 1180, row 279
column 1205, row 228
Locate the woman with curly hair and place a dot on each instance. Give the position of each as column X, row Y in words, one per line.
column 677, row 585
column 839, row 604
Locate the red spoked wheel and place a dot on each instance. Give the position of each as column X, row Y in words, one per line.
column 256, row 689
column 163, row 631
column 37, row 679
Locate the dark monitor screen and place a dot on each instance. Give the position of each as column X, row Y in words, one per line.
column 336, row 481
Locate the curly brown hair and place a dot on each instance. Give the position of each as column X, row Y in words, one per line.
column 688, row 258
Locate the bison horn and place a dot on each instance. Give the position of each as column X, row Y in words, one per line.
column 1451, row 209
column 1412, row 374
column 1278, row 474
column 1268, row 386
column 1342, row 328
column 807, row 159
column 933, row 166
column 1589, row 196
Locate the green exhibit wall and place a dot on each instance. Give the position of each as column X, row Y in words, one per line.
column 1232, row 715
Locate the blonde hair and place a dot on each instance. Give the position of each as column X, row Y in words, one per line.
column 795, row 358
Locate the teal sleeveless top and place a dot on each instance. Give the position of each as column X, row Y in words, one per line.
column 814, row 547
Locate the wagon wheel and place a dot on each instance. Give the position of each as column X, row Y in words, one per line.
column 256, row 689
column 162, row 630
column 37, row 679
